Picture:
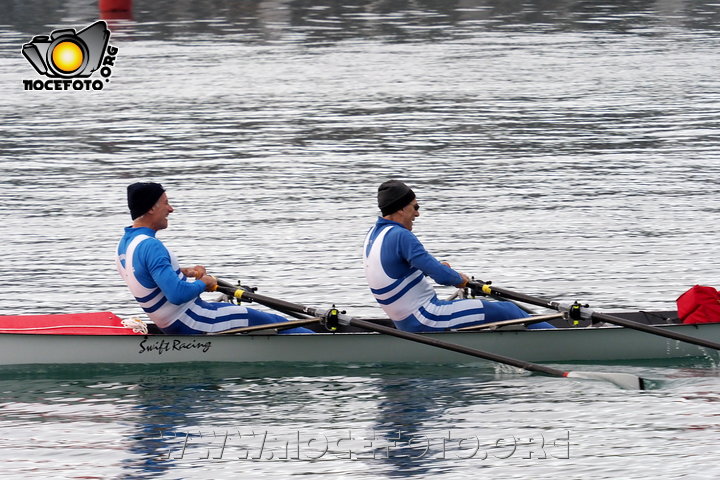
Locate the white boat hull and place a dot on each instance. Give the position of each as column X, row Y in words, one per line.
column 605, row 344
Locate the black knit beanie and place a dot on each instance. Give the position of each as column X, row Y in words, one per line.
column 142, row 196
column 394, row 195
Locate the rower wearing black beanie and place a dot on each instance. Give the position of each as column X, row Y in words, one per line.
column 397, row 264
column 168, row 293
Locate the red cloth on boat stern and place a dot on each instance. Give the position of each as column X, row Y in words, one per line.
column 700, row 304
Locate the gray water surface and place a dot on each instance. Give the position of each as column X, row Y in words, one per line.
column 558, row 148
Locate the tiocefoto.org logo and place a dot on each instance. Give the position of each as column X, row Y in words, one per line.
column 68, row 57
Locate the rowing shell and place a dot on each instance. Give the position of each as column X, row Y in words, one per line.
column 101, row 338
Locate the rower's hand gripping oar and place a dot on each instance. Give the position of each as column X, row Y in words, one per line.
column 623, row 380
column 577, row 311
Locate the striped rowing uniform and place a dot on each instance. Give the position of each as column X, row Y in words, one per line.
column 396, row 265
column 170, row 299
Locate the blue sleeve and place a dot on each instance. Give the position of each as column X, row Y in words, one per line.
column 415, row 254
column 156, row 259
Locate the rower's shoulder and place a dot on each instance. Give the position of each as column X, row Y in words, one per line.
column 151, row 245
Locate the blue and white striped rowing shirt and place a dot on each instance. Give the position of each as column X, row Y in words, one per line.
column 153, row 275
column 395, row 267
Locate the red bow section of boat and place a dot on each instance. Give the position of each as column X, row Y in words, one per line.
column 93, row 323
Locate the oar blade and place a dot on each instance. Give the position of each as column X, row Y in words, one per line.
column 623, row 380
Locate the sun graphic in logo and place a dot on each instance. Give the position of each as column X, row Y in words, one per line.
column 67, row 56
column 66, row 53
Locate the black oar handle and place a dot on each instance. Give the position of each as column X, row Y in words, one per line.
column 227, row 286
column 488, row 289
column 603, row 317
column 242, row 294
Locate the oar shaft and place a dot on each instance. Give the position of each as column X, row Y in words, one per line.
column 520, row 297
column 269, row 326
column 347, row 320
column 516, row 321
column 533, row 367
column 242, row 294
column 603, row 317
column 229, row 289
column 621, row 379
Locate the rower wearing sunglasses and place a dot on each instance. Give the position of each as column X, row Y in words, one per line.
column 396, row 266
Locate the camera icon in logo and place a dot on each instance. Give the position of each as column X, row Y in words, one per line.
column 66, row 53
